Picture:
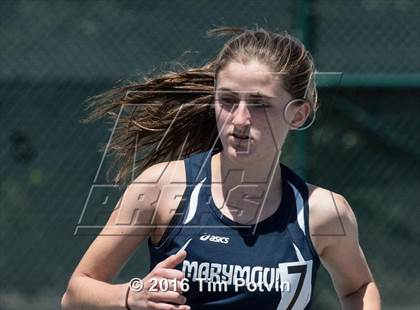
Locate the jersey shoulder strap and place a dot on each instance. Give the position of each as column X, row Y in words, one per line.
column 195, row 172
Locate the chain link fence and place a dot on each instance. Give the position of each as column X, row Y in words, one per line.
column 364, row 144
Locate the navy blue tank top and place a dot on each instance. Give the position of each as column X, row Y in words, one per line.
column 268, row 265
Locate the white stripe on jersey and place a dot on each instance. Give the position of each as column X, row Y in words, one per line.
column 299, row 209
column 192, row 208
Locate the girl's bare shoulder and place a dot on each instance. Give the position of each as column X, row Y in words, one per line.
column 167, row 179
column 167, row 182
column 330, row 216
column 163, row 173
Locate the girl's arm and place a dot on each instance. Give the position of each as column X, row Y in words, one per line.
column 336, row 234
column 129, row 224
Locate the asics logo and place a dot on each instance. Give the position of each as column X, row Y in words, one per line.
column 214, row 238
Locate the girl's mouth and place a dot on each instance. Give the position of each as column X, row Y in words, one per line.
column 240, row 141
column 240, row 137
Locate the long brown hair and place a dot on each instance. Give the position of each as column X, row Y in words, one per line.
column 171, row 115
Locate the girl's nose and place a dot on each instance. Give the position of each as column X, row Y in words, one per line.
column 241, row 115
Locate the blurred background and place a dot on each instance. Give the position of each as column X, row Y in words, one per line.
column 365, row 144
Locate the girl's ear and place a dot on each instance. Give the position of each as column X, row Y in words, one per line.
column 296, row 112
column 301, row 115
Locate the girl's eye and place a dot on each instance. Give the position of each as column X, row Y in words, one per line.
column 231, row 101
column 259, row 104
column 227, row 101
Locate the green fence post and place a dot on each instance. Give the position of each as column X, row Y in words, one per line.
column 304, row 22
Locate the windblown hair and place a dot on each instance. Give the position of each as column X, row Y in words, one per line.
column 171, row 115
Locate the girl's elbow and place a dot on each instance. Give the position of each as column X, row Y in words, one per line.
column 65, row 304
column 67, row 300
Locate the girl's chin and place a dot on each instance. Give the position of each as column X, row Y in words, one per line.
column 248, row 151
column 239, row 150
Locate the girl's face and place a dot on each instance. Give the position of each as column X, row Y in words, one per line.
column 249, row 107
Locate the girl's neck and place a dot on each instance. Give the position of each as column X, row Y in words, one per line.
column 243, row 187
